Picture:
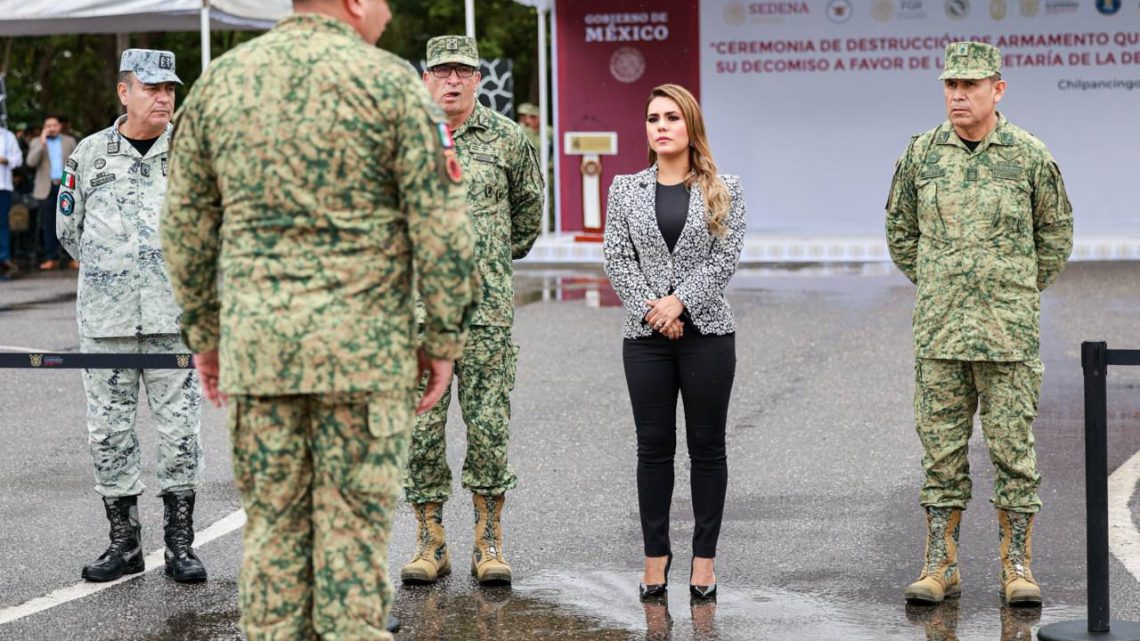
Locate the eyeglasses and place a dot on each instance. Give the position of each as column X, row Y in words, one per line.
column 443, row 71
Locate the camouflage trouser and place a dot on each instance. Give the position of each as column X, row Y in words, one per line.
column 319, row 477
column 946, row 395
column 486, row 374
column 175, row 400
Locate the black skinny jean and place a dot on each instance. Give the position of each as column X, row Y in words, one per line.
column 701, row 368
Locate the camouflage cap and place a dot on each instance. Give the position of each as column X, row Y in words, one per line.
column 443, row 50
column 150, row 66
column 527, row 109
column 971, row 61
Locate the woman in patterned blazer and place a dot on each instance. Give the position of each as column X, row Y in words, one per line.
column 673, row 237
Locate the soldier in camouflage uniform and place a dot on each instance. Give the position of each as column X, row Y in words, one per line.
column 979, row 220
column 310, row 174
column 528, row 119
column 107, row 217
column 504, row 201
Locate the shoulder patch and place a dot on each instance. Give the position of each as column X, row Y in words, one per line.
column 70, row 163
column 66, row 203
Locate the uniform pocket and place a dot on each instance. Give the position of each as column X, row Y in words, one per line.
column 930, row 221
column 390, row 414
column 513, row 368
column 379, row 472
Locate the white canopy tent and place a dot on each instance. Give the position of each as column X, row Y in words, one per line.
column 48, row 17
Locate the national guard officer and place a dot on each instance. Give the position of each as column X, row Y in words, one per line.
column 107, row 217
column 528, row 118
column 979, row 220
column 313, row 174
column 504, row 201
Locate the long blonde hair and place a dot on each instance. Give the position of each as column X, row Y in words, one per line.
column 702, row 168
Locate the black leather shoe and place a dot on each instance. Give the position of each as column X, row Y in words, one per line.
column 703, row 591
column 124, row 555
column 393, row 624
column 656, row 589
column 182, row 564
column 700, row 591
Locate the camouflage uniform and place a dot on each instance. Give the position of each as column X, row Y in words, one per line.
column 310, row 175
column 107, row 217
column 504, row 200
column 981, row 234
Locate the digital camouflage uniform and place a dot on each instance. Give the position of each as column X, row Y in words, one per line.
column 309, row 175
column 504, row 201
column 107, row 217
column 981, row 234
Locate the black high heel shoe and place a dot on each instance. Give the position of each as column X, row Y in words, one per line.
column 700, row 591
column 656, row 589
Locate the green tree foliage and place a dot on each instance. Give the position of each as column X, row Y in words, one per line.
column 74, row 75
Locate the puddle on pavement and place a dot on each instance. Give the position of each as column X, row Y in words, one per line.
column 37, row 303
column 604, row 606
column 210, row 626
column 593, row 288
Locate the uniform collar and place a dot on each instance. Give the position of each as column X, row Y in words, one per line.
column 479, row 119
column 997, row 136
column 317, row 23
column 117, row 143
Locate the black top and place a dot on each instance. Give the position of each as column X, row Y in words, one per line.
column 143, row 146
column 672, row 210
column 970, row 144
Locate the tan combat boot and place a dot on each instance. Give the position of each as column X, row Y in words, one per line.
column 432, row 558
column 488, row 565
column 939, row 579
column 1017, row 583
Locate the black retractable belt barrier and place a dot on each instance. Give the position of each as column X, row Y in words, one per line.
column 97, row 361
column 1095, row 359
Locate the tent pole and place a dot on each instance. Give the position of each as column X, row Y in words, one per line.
column 469, row 10
column 122, row 43
column 205, row 28
column 543, row 152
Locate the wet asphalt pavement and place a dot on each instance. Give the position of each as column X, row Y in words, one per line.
column 822, row 528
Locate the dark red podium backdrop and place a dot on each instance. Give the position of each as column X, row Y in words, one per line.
column 611, row 53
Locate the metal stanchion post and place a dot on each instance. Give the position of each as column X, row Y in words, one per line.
column 1098, row 627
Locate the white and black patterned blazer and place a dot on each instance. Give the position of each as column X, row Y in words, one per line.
column 641, row 268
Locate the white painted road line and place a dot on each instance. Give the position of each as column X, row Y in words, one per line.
column 154, row 560
column 1123, row 538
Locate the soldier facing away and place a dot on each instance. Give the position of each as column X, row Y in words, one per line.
column 107, row 216
column 504, row 201
column 310, row 175
column 979, row 220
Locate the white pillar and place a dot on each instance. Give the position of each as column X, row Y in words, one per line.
column 469, row 9
column 543, row 152
column 205, row 28
column 554, row 98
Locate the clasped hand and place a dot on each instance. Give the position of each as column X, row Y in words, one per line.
column 664, row 316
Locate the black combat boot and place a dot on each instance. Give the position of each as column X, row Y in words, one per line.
column 124, row 556
column 182, row 564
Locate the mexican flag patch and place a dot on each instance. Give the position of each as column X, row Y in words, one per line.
column 445, row 136
column 68, row 180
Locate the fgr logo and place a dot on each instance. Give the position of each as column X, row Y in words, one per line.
column 1029, row 8
column 957, row 9
column 883, row 10
column 1108, row 7
column 839, row 11
column 997, row 9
